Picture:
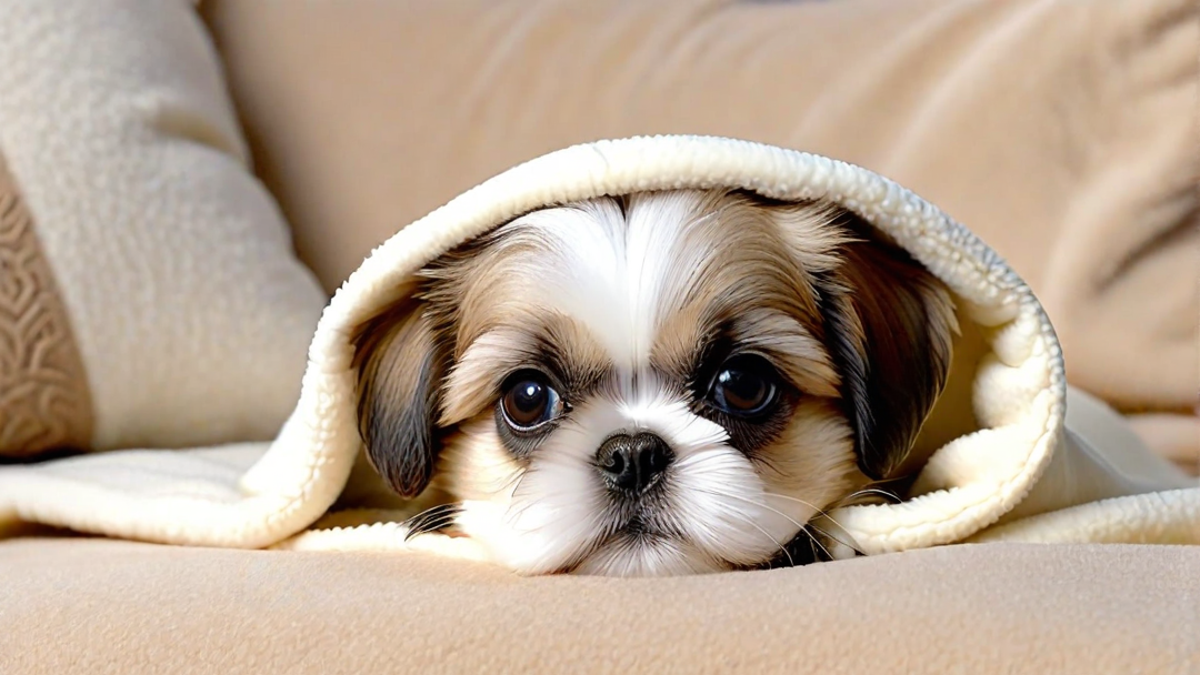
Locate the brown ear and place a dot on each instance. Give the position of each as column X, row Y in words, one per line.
column 889, row 326
column 399, row 376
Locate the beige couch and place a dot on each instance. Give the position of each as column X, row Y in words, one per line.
column 1062, row 132
column 96, row 606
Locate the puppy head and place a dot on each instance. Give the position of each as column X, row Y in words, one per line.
column 661, row 383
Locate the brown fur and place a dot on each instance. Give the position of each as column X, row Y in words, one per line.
column 891, row 325
column 400, row 368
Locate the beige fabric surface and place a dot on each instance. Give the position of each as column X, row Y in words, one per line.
column 1175, row 436
column 149, row 293
column 988, row 609
column 1061, row 131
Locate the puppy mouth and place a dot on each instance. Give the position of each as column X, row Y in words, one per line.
column 636, row 526
column 642, row 529
column 635, row 531
column 642, row 515
column 645, row 521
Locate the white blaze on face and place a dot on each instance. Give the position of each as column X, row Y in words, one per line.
column 619, row 274
column 619, row 279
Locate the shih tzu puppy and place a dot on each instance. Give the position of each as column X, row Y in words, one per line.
column 659, row 383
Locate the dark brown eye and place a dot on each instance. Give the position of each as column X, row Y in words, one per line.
column 746, row 385
column 529, row 401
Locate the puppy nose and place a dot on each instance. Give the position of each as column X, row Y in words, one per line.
column 631, row 463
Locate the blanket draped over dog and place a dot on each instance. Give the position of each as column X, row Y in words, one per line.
column 1009, row 453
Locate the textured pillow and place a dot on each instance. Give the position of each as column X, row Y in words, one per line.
column 1062, row 131
column 149, row 294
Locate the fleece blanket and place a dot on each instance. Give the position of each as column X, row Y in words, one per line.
column 1013, row 454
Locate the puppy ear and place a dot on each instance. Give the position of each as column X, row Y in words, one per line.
column 889, row 325
column 399, row 377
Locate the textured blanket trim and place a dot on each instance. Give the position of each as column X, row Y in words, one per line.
column 1019, row 390
column 45, row 402
column 993, row 295
column 1140, row 521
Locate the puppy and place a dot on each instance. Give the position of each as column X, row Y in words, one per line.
column 654, row 384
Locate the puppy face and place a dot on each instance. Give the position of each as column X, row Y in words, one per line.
column 663, row 383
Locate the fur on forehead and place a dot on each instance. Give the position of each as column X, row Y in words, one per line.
column 661, row 250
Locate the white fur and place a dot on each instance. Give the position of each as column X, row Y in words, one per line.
column 618, row 276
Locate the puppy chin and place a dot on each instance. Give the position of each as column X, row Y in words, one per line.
column 641, row 556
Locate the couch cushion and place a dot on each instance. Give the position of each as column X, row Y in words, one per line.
column 973, row 609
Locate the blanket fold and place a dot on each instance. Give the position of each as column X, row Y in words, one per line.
column 1003, row 456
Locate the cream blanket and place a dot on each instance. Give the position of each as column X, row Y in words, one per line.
column 1013, row 454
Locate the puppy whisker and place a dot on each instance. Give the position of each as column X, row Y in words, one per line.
column 511, row 516
column 801, row 526
column 819, row 511
column 747, row 500
column 871, row 491
column 827, row 534
column 743, row 518
column 778, row 545
column 432, row 519
column 782, row 547
column 793, row 520
column 514, row 483
column 815, row 539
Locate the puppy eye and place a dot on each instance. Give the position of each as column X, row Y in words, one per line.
column 746, row 385
column 529, row 401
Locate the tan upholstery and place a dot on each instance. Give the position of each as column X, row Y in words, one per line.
column 1087, row 610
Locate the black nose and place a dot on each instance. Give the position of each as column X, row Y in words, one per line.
column 632, row 463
